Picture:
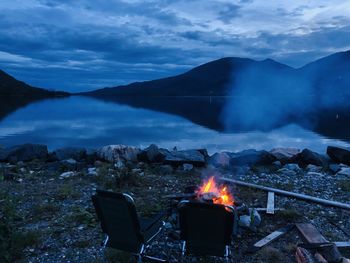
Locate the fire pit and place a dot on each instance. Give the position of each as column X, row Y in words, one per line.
column 211, row 191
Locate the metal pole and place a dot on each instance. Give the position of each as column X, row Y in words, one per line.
column 286, row 193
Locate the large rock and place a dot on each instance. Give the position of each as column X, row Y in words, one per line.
column 220, row 160
column 284, row 155
column 309, row 157
column 24, row 152
column 76, row 153
column 152, row 154
column 251, row 157
column 114, row 153
column 195, row 157
column 339, row 155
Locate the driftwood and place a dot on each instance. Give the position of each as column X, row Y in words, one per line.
column 270, row 208
column 287, row 193
column 302, row 255
column 269, row 238
column 319, row 243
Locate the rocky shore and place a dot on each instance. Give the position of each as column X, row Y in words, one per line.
column 46, row 212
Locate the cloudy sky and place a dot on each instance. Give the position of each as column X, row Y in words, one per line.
column 78, row 45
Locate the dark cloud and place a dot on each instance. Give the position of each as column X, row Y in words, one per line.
column 79, row 45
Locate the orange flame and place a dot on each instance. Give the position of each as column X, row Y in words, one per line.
column 219, row 194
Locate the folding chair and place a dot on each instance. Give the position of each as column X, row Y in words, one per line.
column 123, row 228
column 206, row 229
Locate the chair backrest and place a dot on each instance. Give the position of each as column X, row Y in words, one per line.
column 206, row 228
column 119, row 220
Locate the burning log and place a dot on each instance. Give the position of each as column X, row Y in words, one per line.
column 210, row 191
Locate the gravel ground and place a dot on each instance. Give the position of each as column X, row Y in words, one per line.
column 47, row 218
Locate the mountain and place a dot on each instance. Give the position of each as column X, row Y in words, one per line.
column 210, row 79
column 9, row 86
column 15, row 94
column 330, row 78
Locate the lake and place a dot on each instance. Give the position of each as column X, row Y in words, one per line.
column 91, row 122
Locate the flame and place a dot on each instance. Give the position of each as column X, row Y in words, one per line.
column 219, row 194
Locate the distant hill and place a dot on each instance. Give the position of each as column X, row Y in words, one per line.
column 15, row 94
column 330, row 77
column 210, row 79
column 9, row 86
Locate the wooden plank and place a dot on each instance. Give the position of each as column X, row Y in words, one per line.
column 310, row 233
column 342, row 244
column 287, row 193
column 270, row 208
column 271, row 237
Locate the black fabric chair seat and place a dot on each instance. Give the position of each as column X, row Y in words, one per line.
column 119, row 220
column 206, row 229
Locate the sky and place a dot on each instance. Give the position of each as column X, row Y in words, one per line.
column 77, row 45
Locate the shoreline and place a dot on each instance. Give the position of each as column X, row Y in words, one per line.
column 49, row 217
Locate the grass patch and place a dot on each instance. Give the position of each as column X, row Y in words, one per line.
column 80, row 216
column 271, row 255
column 67, row 191
column 12, row 241
column 46, row 208
column 289, row 215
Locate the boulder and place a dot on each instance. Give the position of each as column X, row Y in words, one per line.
column 113, row 153
column 345, row 171
column 251, row 157
column 24, row 152
column 284, row 155
column 76, row 153
column 220, row 160
column 339, row 155
column 195, row 157
column 309, row 157
column 334, row 168
column 152, row 154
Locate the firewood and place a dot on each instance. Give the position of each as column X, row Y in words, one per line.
column 302, row 255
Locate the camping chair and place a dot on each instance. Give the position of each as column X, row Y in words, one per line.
column 123, row 228
column 206, row 229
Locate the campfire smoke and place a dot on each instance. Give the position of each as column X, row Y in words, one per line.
column 218, row 194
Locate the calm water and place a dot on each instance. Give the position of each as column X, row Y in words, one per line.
column 88, row 122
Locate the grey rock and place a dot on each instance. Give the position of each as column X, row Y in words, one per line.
column 195, row 157
column 76, row 153
column 220, row 160
column 119, row 164
column 251, row 221
column 314, row 174
column 24, row 152
column 152, row 154
column 67, row 174
column 313, row 168
column 334, row 168
column 251, row 157
column 113, row 153
column 187, row 167
column 287, row 172
column 92, row 171
column 292, row 166
column 339, row 155
column 284, row 155
column 309, row 157
column 345, row 171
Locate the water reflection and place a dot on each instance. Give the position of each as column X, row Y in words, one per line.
column 89, row 122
